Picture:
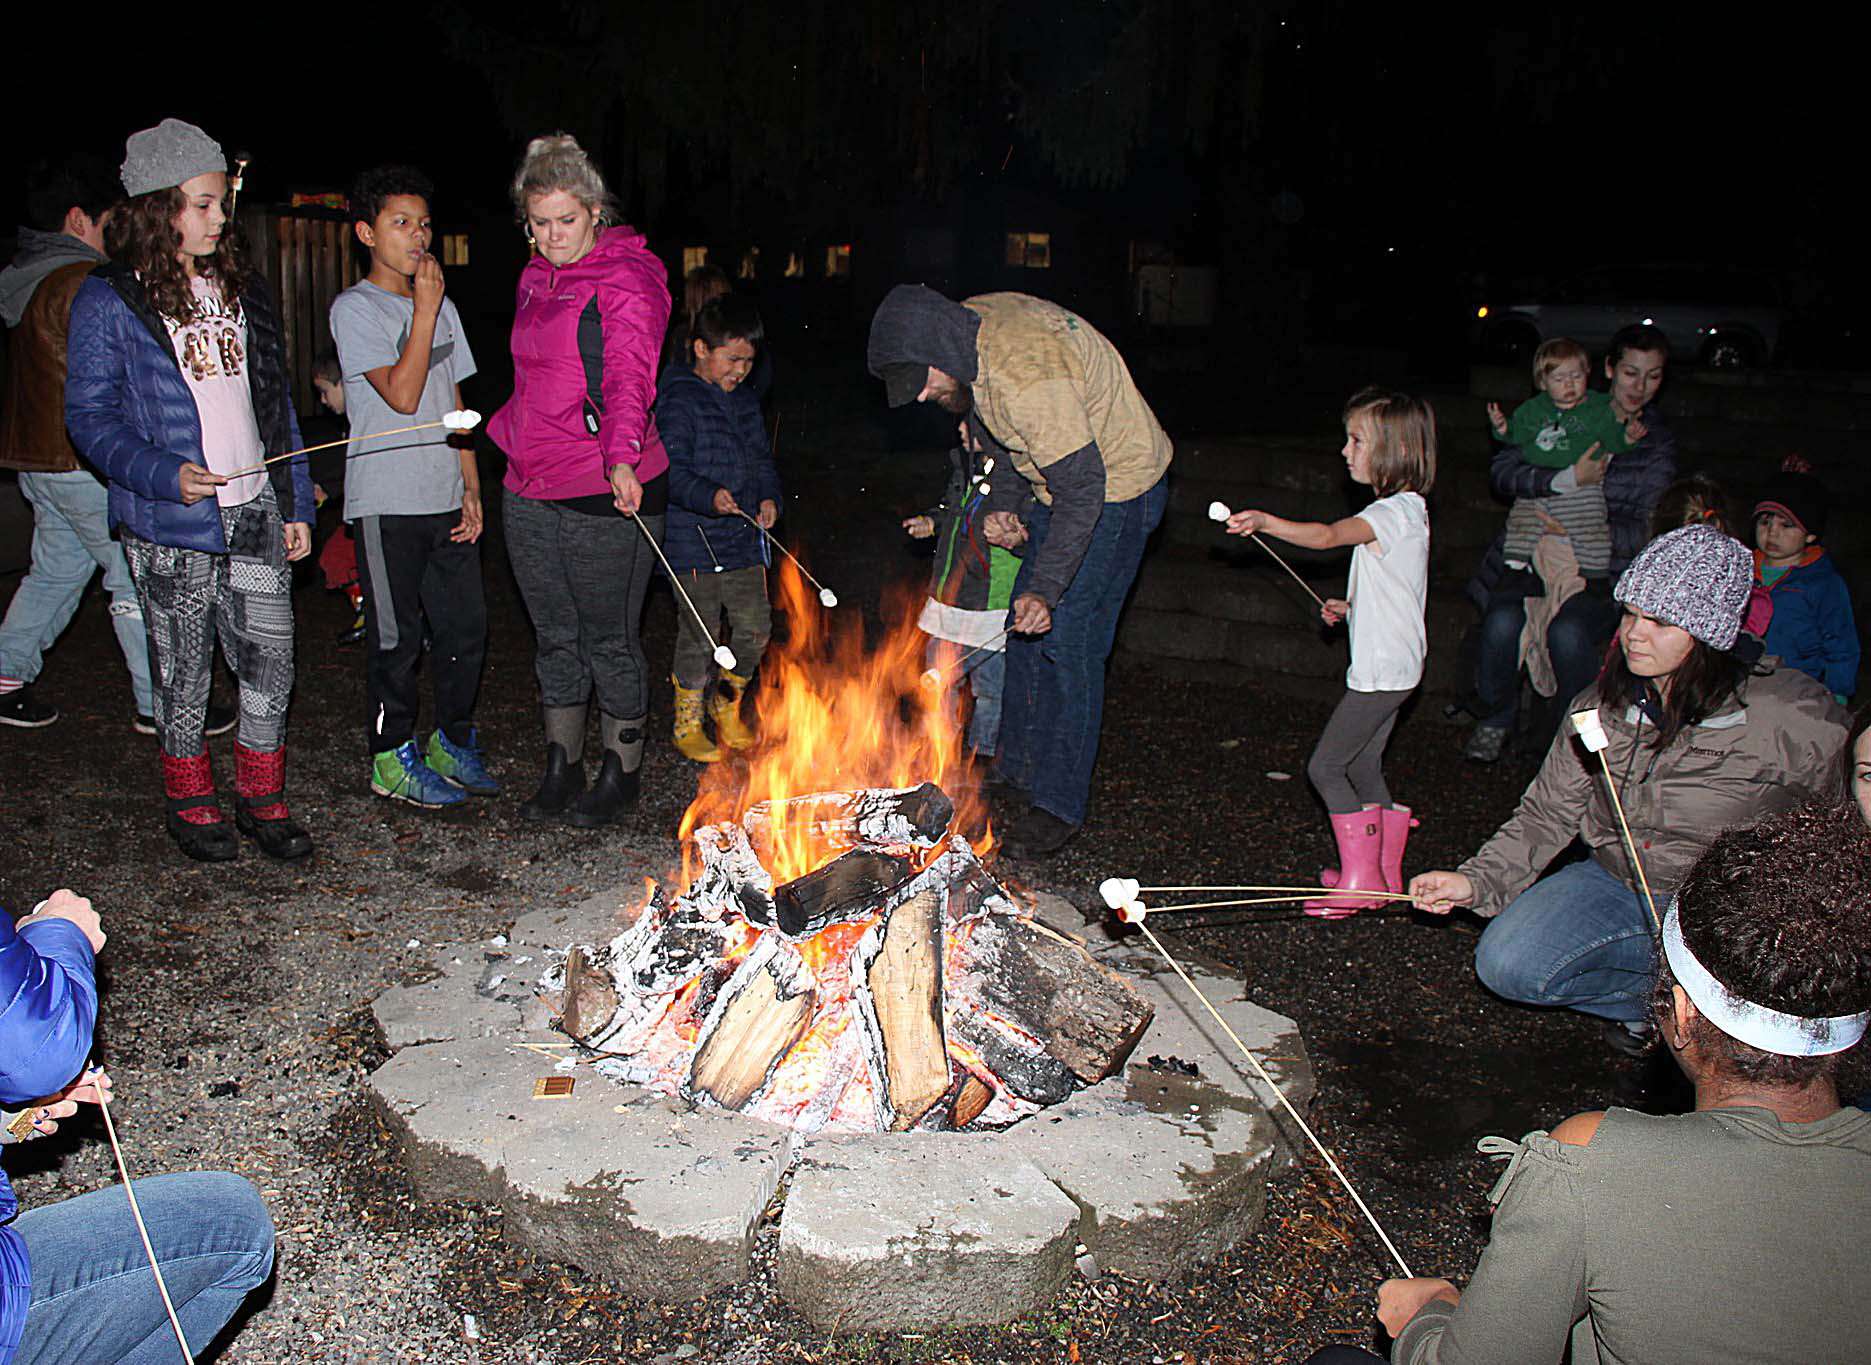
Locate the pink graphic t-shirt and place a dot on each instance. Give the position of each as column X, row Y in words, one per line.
column 212, row 348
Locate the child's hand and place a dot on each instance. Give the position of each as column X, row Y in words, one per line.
column 1247, row 523
column 725, row 506
column 919, row 527
column 1003, row 529
column 1335, row 610
column 1497, row 419
column 1635, row 430
column 768, row 514
column 429, row 285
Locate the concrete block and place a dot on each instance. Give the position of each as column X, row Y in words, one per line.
column 921, row 1229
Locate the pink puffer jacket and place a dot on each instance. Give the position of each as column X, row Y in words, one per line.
column 551, row 452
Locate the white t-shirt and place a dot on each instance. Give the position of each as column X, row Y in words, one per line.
column 212, row 350
column 1389, row 584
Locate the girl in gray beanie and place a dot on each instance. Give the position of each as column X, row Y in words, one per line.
column 1698, row 743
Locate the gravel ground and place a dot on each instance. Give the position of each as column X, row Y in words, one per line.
column 234, row 997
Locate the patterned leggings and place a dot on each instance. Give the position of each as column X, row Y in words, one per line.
column 244, row 596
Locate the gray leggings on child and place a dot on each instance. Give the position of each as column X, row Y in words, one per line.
column 1347, row 764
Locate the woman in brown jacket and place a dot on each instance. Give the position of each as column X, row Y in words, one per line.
column 1699, row 743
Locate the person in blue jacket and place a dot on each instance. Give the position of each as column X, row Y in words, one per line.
column 176, row 391
column 75, row 1282
column 721, row 483
column 1812, row 627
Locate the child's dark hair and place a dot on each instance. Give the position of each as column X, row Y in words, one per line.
column 81, row 182
column 325, row 366
column 1403, row 457
column 1693, row 501
column 731, row 317
column 382, row 183
column 1780, row 914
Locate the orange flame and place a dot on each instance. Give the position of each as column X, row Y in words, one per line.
column 837, row 713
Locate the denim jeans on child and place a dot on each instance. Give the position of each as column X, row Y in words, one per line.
column 1053, row 708
column 71, row 541
column 93, row 1297
column 1580, row 938
column 986, row 672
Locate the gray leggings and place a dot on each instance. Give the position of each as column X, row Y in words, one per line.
column 1347, row 764
column 583, row 579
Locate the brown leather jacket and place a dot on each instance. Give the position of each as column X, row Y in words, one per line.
column 32, row 422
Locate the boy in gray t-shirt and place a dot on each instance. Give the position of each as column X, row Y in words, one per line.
column 414, row 500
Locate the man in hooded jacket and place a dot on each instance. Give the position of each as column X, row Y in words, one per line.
column 1054, row 395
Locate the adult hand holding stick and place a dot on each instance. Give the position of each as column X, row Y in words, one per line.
column 1440, row 892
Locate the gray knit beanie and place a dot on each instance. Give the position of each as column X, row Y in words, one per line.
column 1696, row 577
column 162, row 157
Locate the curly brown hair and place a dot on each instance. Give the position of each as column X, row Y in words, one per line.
column 1780, row 914
column 141, row 235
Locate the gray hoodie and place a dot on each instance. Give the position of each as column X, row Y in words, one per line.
column 39, row 254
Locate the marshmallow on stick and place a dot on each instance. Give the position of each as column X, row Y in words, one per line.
column 1218, row 511
column 1590, row 730
column 461, row 419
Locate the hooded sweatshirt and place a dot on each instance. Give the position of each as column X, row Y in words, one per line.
column 39, row 254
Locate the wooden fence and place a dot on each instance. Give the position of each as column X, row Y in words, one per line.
column 307, row 257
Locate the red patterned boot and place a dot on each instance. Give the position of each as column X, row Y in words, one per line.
column 260, row 804
column 194, row 817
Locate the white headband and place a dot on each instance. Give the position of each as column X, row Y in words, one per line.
column 1788, row 1035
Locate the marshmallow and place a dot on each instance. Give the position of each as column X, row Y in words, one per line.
column 1218, row 511
column 725, row 657
column 462, row 419
column 828, row 597
column 932, row 677
column 1118, row 890
column 1590, row 730
column 987, row 465
column 1132, row 912
column 985, row 490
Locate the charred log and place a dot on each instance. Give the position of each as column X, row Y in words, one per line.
column 850, row 887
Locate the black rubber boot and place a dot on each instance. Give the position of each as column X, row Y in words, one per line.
column 619, row 780
column 563, row 784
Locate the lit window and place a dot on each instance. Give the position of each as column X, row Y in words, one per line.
column 693, row 257
column 795, row 266
column 838, row 262
column 455, row 248
column 750, row 263
column 1030, row 250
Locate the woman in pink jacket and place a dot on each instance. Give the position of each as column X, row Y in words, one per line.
column 585, row 485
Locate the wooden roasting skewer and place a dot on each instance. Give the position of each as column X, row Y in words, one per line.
column 1591, row 733
column 1218, row 511
column 1285, row 1103
column 110, row 1130
column 932, row 677
column 454, row 421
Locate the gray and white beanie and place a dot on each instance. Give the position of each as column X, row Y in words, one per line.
column 162, row 157
column 1696, row 577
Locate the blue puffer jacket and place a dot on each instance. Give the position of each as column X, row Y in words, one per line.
column 1812, row 627
column 715, row 440
column 48, row 1006
column 131, row 414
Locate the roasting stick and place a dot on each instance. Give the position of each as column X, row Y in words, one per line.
column 110, row 1130
column 1298, row 893
column 1119, row 891
column 1268, row 1081
column 723, row 655
column 932, row 677
column 1591, row 732
column 1218, row 511
column 462, row 419
column 826, row 595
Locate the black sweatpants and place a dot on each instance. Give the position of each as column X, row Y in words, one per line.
column 411, row 569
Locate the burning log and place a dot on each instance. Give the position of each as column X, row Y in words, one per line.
column 589, row 998
column 971, row 1097
column 886, row 817
column 899, row 999
column 851, row 886
column 758, row 1017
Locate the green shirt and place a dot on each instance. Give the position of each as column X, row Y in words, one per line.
column 1553, row 439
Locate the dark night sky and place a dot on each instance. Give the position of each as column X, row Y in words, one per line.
column 1566, row 137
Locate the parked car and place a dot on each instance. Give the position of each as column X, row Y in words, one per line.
column 1720, row 319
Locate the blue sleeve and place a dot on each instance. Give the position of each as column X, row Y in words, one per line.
column 48, row 1008
column 1838, row 632
column 97, row 363
column 675, row 422
column 1511, row 477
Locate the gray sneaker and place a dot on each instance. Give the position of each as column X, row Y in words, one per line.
column 1485, row 743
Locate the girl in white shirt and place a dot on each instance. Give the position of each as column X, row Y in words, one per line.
column 1390, row 445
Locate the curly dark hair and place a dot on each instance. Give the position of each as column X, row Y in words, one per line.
column 141, row 236
column 1780, row 913
column 380, row 183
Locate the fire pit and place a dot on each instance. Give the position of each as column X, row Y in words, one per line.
column 897, row 986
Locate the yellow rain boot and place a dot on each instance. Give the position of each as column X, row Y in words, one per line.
column 691, row 740
column 725, row 707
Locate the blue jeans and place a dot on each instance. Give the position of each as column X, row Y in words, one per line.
column 93, row 1297
column 71, row 541
column 986, row 672
column 1053, row 709
column 1580, row 939
column 1576, row 641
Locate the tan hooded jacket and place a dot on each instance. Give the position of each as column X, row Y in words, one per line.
column 1775, row 745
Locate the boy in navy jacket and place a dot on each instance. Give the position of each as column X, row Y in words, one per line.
column 1812, row 627
column 721, row 483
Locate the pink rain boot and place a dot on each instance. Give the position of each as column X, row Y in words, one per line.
column 1328, row 876
column 1397, row 822
column 1360, row 856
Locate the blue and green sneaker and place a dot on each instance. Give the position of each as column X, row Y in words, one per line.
column 401, row 775
column 461, row 764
